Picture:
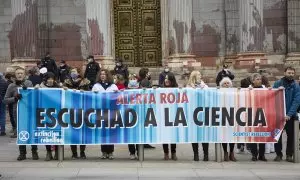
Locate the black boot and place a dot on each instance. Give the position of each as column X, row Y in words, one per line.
column 21, row 157
column 49, row 156
column 75, row 155
column 205, row 158
column 82, row 155
column 196, row 157
column 35, row 155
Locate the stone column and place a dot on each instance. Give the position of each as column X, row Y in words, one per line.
column 98, row 14
column 293, row 56
column 180, row 42
column 24, row 34
column 252, row 33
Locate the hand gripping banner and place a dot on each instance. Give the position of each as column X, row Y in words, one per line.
column 173, row 115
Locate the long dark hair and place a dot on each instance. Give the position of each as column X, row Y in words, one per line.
column 172, row 79
column 109, row 78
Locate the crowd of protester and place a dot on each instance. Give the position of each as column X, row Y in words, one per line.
column 47, row 75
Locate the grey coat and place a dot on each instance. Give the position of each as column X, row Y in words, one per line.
column 11, row 92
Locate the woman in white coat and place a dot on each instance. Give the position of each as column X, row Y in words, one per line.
column 105, row 83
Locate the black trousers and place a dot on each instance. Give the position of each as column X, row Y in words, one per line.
column 11, row 115
column 74, row 148
column 133, row 148
column 166, row 148
column 196, row 147
column 260, row 152
column 231, row 146
column 289, row 129
column 23, row 151
column 107, row 148
column 48, row 148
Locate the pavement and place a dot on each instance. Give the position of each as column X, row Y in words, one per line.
column 154, row 167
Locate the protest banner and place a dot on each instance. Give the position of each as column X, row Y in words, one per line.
column 173, row 115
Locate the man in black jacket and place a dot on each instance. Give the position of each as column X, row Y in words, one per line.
column 121, row 69
column 50, row 64
column 3, row 88
column 91, row 71
column 224, row 73
column 63, row 71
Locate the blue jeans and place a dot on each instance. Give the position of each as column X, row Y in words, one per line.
column 2, row 116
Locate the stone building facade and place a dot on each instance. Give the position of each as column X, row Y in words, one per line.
column 183, row 34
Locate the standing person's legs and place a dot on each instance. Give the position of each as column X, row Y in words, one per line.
column 82, row 151
column 23, row 152
column 226, row 157
column 253, row 147
column 2, row 118
column 196, row 151
column 231, row 154
column 278, row 149
column 290, row 140
column 205, row 151
column 262, row 149
column 74, row 152
column 49, row 153
column 173, row 152
column 34, row 152
column 104, row 152
column 131, row 148
column 11, row 117
column 109, row 151
column 166, row 151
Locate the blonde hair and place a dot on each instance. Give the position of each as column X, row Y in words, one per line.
column 193, row 78
column 226, row 79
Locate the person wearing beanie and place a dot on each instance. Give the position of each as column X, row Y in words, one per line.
column 49, row 82
column 121, row 69
column 91, row 71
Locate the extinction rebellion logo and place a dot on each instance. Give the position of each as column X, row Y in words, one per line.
column 23, row 136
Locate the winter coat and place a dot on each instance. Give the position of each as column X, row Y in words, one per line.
column 91, row 72
column 100, row 88
column 63, row 73
column 11, row 92
column 81, row 84
column 35, row 79
column 50, row 65
column 3, row 88
column 292, row 96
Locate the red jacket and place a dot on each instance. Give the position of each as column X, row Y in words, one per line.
column 121, row 86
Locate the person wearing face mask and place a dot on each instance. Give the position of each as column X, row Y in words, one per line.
column 12, row 97
column 133, row 82
column 257, row 83
column 50, row 64
column 162, row 76
column 63, row 71
column 170, row 82
column 195, row 81
column 91, row 71
column 227, row 83
column 105, row 84
column 224, row 73
column 145, row 78
column 49, row 82
column 292, row 100
column 75, row 81
column 121, row 69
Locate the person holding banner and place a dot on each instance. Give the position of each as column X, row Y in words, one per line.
column 227, row 83
column 49, row 82
column 195, row 81
column 75, row 81
column 12, row 97
column 105, row 83
column 133, row 84
column 292, row 99
column 170, row 82
column 257, row 83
